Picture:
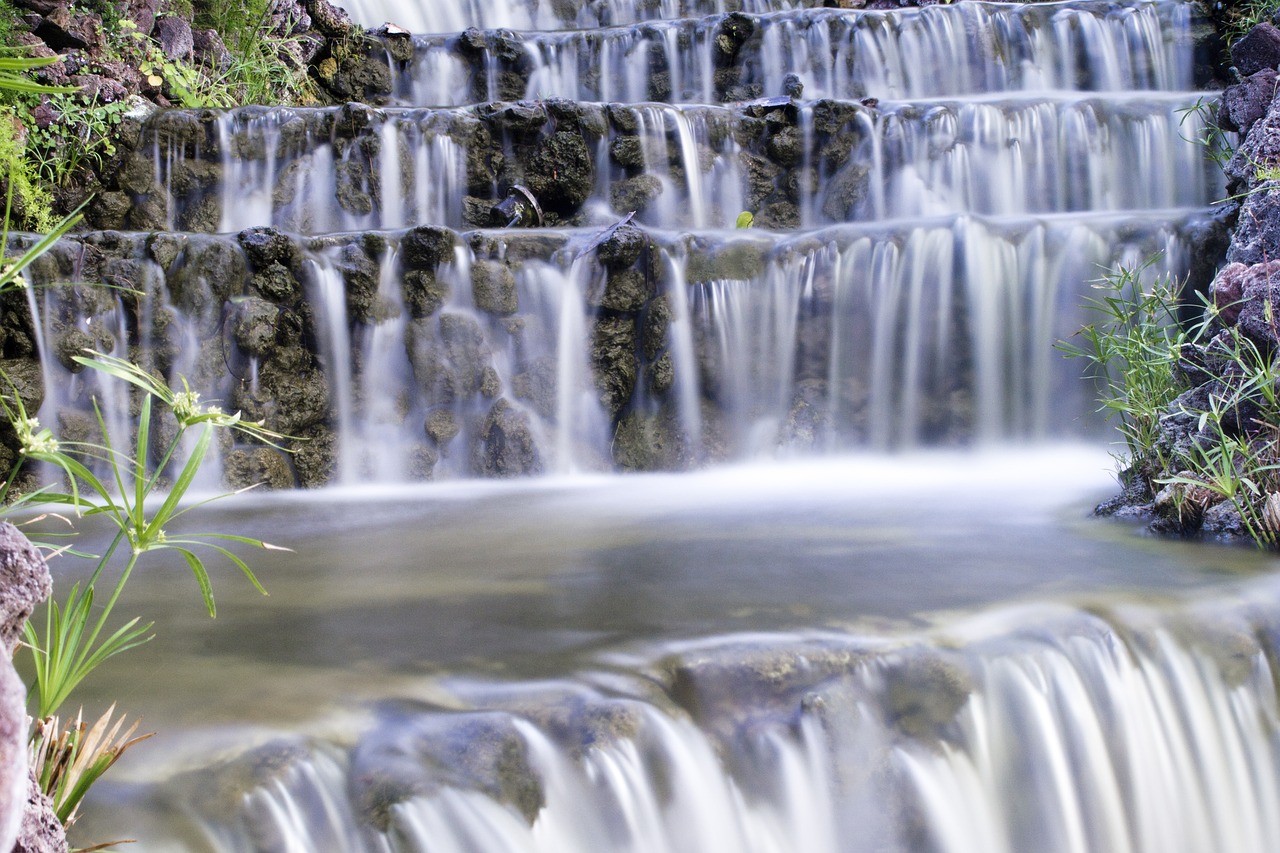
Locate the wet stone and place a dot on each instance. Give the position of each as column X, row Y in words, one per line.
column 508, row 447
column 493, row 287
column 255, row 326
column 424, row 293
column 265, row 245
column 264, row 467
column 622, row 248
column 613, row 359
column 427, row 247
column 442, row 426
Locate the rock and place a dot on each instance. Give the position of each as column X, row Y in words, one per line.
column 926, row 688
column 315, row 458
column 24, row 376
column 622, row 248
column 110, row 210
column 255, row 326
column 27, row 822
column 427, row 247
column 331, row 20
column 413, row 751
column 63, row 29
column 649, row 442
column 1226, row 290
column 264, row 246
column 507, row 444
column 1246, row 102
column 176, row 41
column 561, row 173
column 613, row 361
column 628, row 152
column 625, row 291
column 786, row 146
column 424, row 292
column 493, row 288
column 1258, row 50
column 733, row 33
column 40, row 831
column 442, row 426
column 360, row 279
column 537, row 386
column 209, row 51
column 633, row 195
column 265, row 467
column 1259, row 287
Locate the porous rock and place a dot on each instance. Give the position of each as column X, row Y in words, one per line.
column 27, row 821
column 1258, row 49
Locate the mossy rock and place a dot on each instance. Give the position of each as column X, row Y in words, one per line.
column 264, row 467
column 613, row 361
column 508, row 446
column 736, row 261
column 493, row 288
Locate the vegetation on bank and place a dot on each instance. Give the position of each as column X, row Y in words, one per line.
column 1197, row 405
column 55, row 141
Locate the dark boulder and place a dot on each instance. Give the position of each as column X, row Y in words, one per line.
column 1246, row 102
column 1259, row 49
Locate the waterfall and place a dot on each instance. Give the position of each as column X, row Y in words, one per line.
column 1040, row 727
column 923, row 236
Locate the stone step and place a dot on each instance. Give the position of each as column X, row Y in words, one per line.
column 431, row 352
column 831, row 53
column 792, row 164
column 440, row 17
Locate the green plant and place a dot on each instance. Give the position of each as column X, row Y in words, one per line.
column 73, row 643
column 1132, row 352
column 1244, row 16
column 1208, row 134
column 82, row 137
column 68, row 760
column 76, row 638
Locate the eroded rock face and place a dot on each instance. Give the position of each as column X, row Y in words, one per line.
column 27, row 822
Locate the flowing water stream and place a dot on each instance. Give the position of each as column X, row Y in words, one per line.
column 844, row 633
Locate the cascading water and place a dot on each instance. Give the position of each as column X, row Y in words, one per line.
column 755, row 659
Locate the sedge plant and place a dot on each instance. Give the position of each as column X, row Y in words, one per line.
column 1132, row 353
column 74, row 637
column 1138, row 353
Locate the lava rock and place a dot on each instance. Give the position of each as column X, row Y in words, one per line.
column 1257, row 50
column 1246, row 102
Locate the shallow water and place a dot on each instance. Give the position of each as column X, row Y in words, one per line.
column 392, row 590
column 514, row 596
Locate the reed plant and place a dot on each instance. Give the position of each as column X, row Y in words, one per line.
column 1132, row 351
column 1197, row 404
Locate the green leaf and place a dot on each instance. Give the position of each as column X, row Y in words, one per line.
column 202, row 578
column 180, row 486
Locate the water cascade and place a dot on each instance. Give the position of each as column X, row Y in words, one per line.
column 933, row 190
column 921, row 248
